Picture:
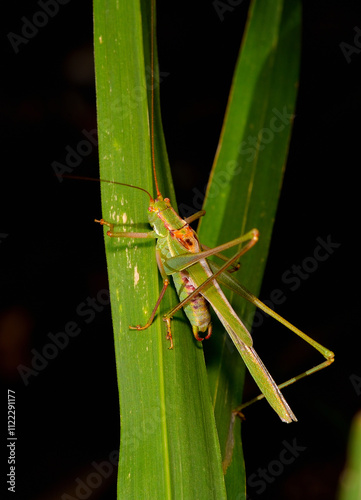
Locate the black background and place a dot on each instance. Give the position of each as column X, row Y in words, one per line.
column 52, row 254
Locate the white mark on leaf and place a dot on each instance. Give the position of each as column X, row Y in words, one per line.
column 136, row 276
column 129, row 261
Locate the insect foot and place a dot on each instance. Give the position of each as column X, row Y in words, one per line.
column 169, row 333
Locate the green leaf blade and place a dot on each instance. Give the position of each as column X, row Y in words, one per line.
column 246, row 180
column 169, row 445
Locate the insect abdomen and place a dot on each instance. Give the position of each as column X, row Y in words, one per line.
column 197, row 309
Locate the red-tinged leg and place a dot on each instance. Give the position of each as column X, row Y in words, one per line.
column 150, row 321
column 126, row 234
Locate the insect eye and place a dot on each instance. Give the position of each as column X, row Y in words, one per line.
column 166, row 200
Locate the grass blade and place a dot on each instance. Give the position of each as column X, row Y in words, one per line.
column 350, row 484
column 169, row 445
column 246, row 180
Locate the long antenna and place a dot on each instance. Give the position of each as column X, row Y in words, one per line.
column 152, row 21
column 81, row 178
column 159, row 195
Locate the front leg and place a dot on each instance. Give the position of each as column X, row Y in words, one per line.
column 149, row 234
column 151, row 318
column 126, row 234
column 161, row 295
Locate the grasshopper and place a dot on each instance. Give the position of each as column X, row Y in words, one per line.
column 179, row 254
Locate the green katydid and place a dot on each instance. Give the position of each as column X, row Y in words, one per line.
column 179, row 253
